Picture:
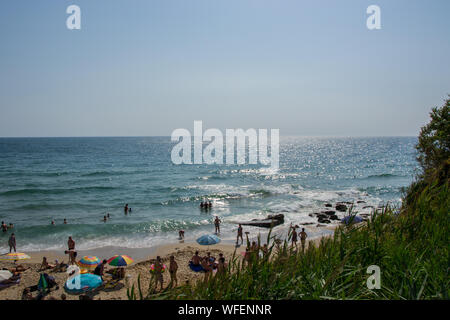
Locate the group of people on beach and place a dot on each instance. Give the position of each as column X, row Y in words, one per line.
column 302, row 234
column 207, row 264
column 6, row 227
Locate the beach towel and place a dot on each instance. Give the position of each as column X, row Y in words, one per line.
column 195, row 268
column 10, row 282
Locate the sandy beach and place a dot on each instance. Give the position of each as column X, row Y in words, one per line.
column 143, row 258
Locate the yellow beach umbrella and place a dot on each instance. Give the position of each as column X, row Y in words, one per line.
column 14, row 256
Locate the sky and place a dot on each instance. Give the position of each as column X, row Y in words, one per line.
column 148, row 67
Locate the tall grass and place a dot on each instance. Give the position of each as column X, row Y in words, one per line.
column 410, row 247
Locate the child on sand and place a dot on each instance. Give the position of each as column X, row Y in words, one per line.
column 173, row 267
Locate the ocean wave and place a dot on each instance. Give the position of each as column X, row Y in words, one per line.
column 383, row 175
column 37, row 191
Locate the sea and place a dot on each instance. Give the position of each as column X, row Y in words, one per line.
column 83, row 179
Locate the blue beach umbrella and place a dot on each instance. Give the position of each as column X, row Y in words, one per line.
column 82, row 283
column 351, row 219
column 208, row 239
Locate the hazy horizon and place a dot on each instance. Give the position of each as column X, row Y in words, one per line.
column 150, row 67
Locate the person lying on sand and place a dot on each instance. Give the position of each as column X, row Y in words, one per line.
column 45, row 265
column 18, row 269
column 60, row 267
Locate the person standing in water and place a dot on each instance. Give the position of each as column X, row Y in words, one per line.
column 12, row 243
column 125, row 209
column 303, row 237
column 239, row 235
column 217, row 222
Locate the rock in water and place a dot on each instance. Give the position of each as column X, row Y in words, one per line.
column 341, row 207
column 270, row 221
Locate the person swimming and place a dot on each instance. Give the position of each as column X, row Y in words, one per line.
column 65, row 221
column 105, row 219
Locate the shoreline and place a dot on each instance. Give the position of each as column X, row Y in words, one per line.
column 143, row 258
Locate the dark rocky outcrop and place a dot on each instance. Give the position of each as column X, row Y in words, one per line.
column 341, row 207
column 270, row 221
column 329, row 212
column 328, row 205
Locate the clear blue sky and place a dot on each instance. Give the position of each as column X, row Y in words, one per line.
column 147, row 67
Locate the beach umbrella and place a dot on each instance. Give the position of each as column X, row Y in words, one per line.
column 42, row 284
column 120, row 261
column 5, row 275
column 351, row 219
column 15, row 256
column 89, row 262
column 82, row 283
column 208, row 239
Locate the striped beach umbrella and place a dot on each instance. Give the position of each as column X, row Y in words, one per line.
column 120, row 261
column 14, row 256
column 89, row 262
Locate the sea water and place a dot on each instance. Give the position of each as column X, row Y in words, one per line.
column 83, row 179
